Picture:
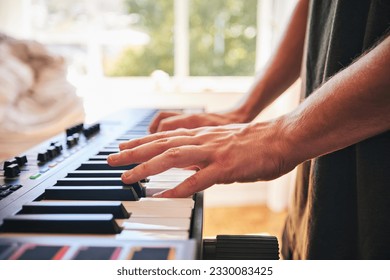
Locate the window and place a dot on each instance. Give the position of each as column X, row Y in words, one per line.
column 222, row 37
column 185, row 39
column 156, row 20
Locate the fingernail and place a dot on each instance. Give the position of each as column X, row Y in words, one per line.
column 127, row 175
column 113, row 157
column 159, row 194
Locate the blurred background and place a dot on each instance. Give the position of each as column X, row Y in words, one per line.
column 168, row 54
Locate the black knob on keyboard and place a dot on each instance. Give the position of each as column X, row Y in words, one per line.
column 52, row 152
column 74, row 129
column 76, row 138
column 241, row 247
column 70, row 141
column 58, row 147
column 11, row 171
column 8, row 163
column 22, row 160
column 92, row 130
column 43, row 157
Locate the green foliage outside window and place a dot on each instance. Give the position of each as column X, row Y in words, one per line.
column 155, row 17
column 222, row 38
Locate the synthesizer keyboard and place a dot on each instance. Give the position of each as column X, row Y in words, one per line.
column 60, row 200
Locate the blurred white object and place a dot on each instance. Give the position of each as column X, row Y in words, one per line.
column 36, row 100
column 161, row 81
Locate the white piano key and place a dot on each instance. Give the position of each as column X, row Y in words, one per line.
column 176, row 172
column 161, row 202
column 148, row 202
column 149, row 192
column 161, row 185
column 153, row 188
column 167, row 178
column 151, row 212
column 152, row 235
column 155, row 223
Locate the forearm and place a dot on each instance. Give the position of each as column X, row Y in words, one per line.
column 352, row 106
column 283, row 68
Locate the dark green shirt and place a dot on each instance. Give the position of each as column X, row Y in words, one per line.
column 341, row 203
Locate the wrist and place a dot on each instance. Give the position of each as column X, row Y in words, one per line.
column 294, row 146
column 241, row 114
column 272, row 145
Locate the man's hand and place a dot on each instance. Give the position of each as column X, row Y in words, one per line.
column 280, row 73
column 223, row 155
column 167, row 120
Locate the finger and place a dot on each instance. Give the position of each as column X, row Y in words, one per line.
column 193, row 167
column 153, row 137
column 175, row 157
column 160, row 116
column 147, row 151
column 172, row 123
column 168, row 124
column 180, row 121
column 200, row 181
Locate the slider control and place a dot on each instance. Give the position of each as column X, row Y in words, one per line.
column 8, row 163
column 74, row 129
column 11, row 171
column 22, row 160
column 43, row 156
column 92, row 130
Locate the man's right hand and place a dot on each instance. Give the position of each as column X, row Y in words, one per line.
column 168, row 120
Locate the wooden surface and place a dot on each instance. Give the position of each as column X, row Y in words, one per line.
column 255, row 219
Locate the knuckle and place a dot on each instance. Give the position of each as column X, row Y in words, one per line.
column 162, row 141
column 173, row 152
column 184, row 131
column 126, row 154
column 162, row 135
column 141, row 170
column 144, row 167
column 164, row 125
column 134, row 142
column 192, row 182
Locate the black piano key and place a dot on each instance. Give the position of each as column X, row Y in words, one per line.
column 70, row 182
column 127, row 137
column 103, row 165
column 107, row 151
column 138, row 188
column 89, row 182
column 99, row 157
column 95, row 174
column 98, row 174
column 139, row 130
column 62, row 223
column 115, row 208
column 91, row 193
